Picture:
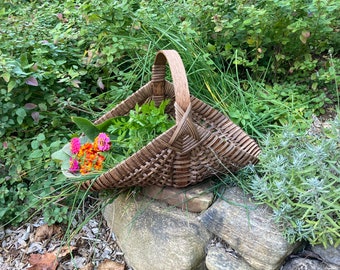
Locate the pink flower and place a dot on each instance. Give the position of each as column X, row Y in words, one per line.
column 74, row 165
column 75, row 145
column 102, row 142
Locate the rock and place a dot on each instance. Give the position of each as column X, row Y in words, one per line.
column 193, row 198
column 154, row 236
column 306, row 264
column 219, row 259
column 248, row 228
column 329, row 255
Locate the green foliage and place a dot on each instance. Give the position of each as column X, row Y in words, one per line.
column 298, row 176
column 90, row 130
column 44, row 79
column 27, row 164
column 285, row 103
column 143, row 124
column 283, row 38
column 54, row 215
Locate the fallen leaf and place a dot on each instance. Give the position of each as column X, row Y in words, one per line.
column 35, row 67
column 64, row 251
column 60, row 16
column 306, row 34
column 45, row 232
column 47, row 261
column 111, row 265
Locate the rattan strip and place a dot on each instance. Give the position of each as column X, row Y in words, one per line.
column 128, row 104
column 229, row 131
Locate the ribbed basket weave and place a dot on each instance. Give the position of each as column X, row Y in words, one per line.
column 202, row 143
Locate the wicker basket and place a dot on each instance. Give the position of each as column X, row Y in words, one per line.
column 202, row 143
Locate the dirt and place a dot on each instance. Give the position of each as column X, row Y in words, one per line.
column 35, row 245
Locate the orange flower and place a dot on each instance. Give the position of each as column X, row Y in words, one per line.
column 86, row 167
column 87, row 147
column 89, row 157
column 99, row 163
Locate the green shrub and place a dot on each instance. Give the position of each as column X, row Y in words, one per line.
column 46, row 76
column 283, row 38
column 298, row 177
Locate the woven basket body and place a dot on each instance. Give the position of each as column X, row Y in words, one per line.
column 202, row 143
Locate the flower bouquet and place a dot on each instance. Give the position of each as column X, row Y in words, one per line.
column 89, row 156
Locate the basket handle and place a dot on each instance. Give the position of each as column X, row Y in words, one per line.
column 178, row 75
column 182, row 95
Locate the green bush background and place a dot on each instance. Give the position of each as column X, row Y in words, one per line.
column 264, row 63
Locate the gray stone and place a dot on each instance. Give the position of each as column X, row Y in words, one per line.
column 219, row 259
column 193, row 198
column 248, row 228
column 329, row 254
column 154, row 236
column 306, row 264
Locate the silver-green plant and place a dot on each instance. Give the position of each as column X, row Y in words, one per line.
column 298, row 176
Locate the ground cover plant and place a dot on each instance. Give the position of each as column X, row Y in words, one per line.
column 264, row 63
column 298, row 177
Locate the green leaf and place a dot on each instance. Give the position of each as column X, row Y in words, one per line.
column 55, row 144
column 6, row 76
column 73, row 73
column 64, row 158
column 23, row 59
column 20, row 112
column 104, row 126
column 86, row 126
column 35, row 144
column 42, row 106
column 60, row 155
column 11, row 85
column 41, row 137
column 36, row 154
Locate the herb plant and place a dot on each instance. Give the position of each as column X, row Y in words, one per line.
column 143, row 124
column 299, row 178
